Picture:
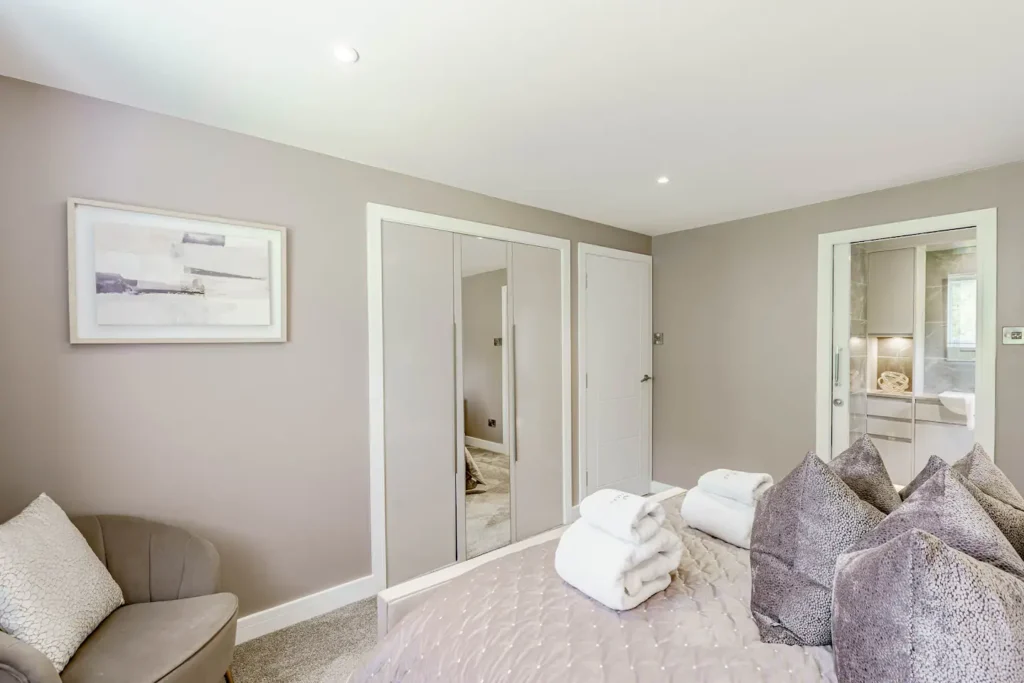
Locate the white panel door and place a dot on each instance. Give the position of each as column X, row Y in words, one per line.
column 421, row 463
column 617, row 373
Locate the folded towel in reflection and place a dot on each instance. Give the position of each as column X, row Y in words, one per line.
column 719, row 517
column 743, row 487
column 625, row 516
column 616, row 573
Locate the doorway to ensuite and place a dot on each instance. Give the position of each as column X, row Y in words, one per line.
column 907, row 339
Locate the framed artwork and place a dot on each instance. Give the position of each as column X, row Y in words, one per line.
column 146, row 276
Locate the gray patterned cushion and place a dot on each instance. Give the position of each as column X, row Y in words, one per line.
column 915, row 610
column 861, row 467
column 801, row 526
column 944, row 507
column 997, row 495
column 977, row 468
column 54, row 591
column 935, row 464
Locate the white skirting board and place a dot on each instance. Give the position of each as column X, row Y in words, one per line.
column 658, row 487
column 301, row 609
column 492, row 446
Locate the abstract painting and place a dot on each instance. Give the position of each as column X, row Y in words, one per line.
column 158, row 276
column 149, row 276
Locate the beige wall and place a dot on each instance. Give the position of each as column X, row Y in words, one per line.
column 262, row 448
column 481, row 359
column 737, row 304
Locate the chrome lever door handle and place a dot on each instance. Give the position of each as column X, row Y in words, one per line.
column 646, row 378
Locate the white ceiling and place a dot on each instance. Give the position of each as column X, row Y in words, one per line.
column 571, row 105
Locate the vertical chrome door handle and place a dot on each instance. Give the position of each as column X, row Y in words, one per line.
column 835, row 367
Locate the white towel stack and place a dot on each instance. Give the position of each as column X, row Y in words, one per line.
column 617, row 552
column 723, row 503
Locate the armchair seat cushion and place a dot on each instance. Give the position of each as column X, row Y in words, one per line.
column 174, row 641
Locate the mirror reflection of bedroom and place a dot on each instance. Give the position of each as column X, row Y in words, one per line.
column 485, row 395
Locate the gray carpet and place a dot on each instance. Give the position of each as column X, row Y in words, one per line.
column 488, row 513
column 328, row 647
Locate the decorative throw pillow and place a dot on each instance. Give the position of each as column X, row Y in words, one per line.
column 996, row 493
column 915, row 610
column 944, row 507
column 977, row 467
column 801, row 526
column 861, row 467
column 54, row 591
column 935, row 464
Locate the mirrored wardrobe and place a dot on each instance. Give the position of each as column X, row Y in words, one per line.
column 473, row 335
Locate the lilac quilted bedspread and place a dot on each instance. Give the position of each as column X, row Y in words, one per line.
column 514, row 619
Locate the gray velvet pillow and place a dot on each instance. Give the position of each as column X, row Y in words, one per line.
column 996, row 494
column 861, row 467
column 944, row 507
column 935, row 464
column 801, row 526
column 915, row 610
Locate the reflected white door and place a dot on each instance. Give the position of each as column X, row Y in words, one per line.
column 616, row 350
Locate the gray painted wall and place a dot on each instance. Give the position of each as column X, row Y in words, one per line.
column 737, row 304
column 481, row 359
column 262, row 448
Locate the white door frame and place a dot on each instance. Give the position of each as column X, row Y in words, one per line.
column 583, row 250
column 984, row 221
column 376, row 215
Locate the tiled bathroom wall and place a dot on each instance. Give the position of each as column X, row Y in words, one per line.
column 858, row 342
column 941, row 374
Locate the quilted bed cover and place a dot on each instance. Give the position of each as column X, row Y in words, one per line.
column 514, row 619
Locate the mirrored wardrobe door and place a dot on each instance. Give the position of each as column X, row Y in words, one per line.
column 488, row 476
column 421, row 467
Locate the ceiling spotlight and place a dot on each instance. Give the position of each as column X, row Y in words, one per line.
column 663, row 180
column 346, row 54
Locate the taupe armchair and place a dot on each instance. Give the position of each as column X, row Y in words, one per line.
column 175, row 627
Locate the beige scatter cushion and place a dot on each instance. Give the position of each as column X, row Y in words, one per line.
column 54, row 591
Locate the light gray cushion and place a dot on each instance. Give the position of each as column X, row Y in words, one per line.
column 915, row 610
column 944, row 507
column 53, row 589
column 861, row 467
column 801, row 526
column 934, row 464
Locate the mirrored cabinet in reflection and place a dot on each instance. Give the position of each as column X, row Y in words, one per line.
column 473, row 427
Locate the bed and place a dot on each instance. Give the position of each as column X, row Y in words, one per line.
column 514, row 619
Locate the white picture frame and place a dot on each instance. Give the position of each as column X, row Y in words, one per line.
column 258, row 314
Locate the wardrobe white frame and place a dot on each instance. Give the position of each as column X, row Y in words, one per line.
column 985, row 222
column 582, row 250
column 376, row 215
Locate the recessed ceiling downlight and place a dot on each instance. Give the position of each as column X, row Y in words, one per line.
column 346, row 54
column 663, row 180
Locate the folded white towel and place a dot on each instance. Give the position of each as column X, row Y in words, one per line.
column 617, row 574
column 720, row 517
column 625, row 516
column 744, row 487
